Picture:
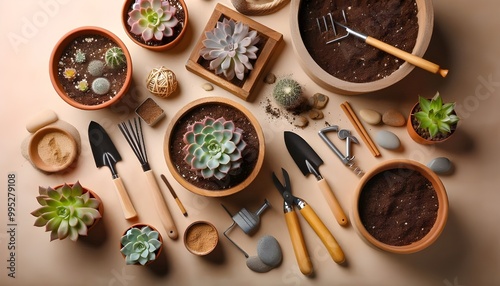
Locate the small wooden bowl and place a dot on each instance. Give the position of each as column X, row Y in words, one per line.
column 442, row 213
column 203, row 228
column 324, row 79
column 44, row 164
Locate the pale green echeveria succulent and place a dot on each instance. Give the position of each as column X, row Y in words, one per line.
column 140, row 245
column 435, row 116
column 213, row 147
column 66, row 211
column 230, row 46
column 152, row 19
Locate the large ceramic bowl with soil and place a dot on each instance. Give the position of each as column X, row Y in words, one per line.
column 80, row 73
column 400, row 206
column 252, row 156
column 349, row 66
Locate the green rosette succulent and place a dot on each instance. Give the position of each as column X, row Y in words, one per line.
column 139, row 245
column 436, row 117
column 66, row 211
column 213, row 147
column 152, row 19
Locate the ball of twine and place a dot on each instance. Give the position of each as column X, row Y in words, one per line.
column 161, row 82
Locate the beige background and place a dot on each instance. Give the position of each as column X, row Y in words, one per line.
column 465, row 40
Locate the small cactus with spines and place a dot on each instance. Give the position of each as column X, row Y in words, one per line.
column 96, row 68
column 115, row 57
column 101, row 86
column 80, row 56
column 288, row 93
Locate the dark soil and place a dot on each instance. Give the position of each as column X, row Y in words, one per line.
column 398, row 206
column 425, row 133
column 237, row 82
column 94, row 48
column 180, row 15
column 393, row 21
column 215, row 110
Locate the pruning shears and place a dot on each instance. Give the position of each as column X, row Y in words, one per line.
column 295, row 231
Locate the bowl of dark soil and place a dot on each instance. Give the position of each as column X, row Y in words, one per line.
column 90, row 68
column 156, row 25
column 349, row 65
column 214, row 147
column 400, row 206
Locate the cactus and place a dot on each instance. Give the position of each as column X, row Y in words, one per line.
column 139, row 245
column 213, row 147
column 101, row 85
column 69, row 73
column 66, row 211
column 96, row 68
column 115, row 57
column 80, row 56
column 83, row 85
column 288, row 93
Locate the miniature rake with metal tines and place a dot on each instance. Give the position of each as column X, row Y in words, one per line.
column 327, row 21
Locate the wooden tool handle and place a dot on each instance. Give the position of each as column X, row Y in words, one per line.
column 332, row 202
column 410, row 58
column 299, row 245
column 127, row 206
column 324, row 234
column 161, row 206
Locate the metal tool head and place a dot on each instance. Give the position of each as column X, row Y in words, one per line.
column 303, row 154
column 103, row 149
column 326, row 24
column 284, row 189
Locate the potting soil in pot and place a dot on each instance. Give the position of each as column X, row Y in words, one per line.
column 78, row 55
column 250, row 153
column 398, row 206
column 394, row 22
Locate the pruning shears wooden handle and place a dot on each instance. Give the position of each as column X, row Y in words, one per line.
column 299, row 245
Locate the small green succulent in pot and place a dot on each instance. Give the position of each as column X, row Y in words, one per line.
column 152, row 19
column 67, row 211
column 214, row 147
column 230, row 46
column 141, row 244
column 435, row 116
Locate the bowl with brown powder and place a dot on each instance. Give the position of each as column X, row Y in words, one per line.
column 350, row 66
column 52, row 149
column 400, row 206
column 201, row 238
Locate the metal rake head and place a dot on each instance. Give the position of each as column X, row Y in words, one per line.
column 326, row 23
column 135, row 138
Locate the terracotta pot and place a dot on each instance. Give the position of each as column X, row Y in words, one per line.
column 442, row 212
column 140, row 226
column 61, row 46
column 218, row 192
column 416, row 137
column 327, row 81
column 125, row 9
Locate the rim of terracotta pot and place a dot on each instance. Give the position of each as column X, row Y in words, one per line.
column 416, row 137
column 58, row 50
column 324, row 79
column 170, row 45
column 214, row 193
column 140, row 225
column 442, row 214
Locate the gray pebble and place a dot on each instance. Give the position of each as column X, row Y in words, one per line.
column 387, row 140
column 255, row 264
column 207, row 86
column 270, row 78
column 440, row 165
column 269, row 251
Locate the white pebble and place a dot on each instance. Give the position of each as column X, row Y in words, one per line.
column 207, row 86
column 370, row 116
column 40, row 120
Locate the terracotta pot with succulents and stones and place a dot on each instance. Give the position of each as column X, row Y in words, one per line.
column 214, row 147
column 68, row 211
column 90, row 68
column 141, row 244
column 156, row 25
column 431, row 121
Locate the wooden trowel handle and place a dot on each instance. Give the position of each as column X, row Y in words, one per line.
column 161, row 206
column 127, row 206
column 332, row 202
column 299, row 246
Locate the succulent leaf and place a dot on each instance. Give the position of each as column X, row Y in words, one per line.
column 139, row 245
column 436, row 117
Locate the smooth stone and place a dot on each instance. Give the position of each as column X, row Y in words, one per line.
column 256, row 265
column 370, row 116
column 269, row 251
column 270, row 78
column 315, row 114
column 300, row 121
column 207, row 86
column 440, row 165
column 387, row 140
column 321, row 100
column 40, row 120
column 393, row 118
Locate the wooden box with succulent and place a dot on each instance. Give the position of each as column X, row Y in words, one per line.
column 432, row 121
column 67, row 211
column 233, row 51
